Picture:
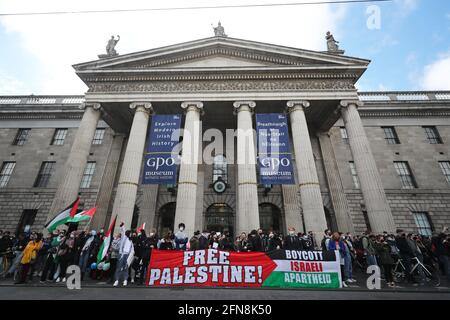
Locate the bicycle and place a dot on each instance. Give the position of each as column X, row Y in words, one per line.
column 430, row 274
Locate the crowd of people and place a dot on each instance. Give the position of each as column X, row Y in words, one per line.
column 127, row 258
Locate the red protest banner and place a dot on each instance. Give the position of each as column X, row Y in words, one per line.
column 208, row 268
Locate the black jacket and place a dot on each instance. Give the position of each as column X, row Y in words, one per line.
column 403, row 246
column 255, row 243
column 292, row 243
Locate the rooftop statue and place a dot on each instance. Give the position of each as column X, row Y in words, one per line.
column 332, row 44
column 219, row 31
column 110, row 51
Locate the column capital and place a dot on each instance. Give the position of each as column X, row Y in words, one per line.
column 93, row 105
column 295, row 104
column 146, row 106
column 193, row 106
column 250, row 105
column 346, row 103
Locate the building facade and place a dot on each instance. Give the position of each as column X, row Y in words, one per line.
column 362, row 160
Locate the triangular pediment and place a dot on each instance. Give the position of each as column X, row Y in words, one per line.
column 222, row 53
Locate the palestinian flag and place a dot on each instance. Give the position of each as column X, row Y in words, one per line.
column 304, row 269
column 106, row 242
column 140, row 228
column 83, row 215
column 63, row 217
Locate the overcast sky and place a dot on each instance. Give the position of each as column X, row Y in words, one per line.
column 409, row 51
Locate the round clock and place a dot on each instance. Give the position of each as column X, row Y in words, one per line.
column 219, row 186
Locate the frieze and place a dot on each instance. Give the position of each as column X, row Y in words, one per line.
column 224, row 76
column 218, row 86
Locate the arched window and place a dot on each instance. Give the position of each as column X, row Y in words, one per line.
column 220, row 168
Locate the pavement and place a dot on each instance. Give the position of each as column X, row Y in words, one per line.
column 94, row 290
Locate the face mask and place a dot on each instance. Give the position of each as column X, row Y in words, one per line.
column 152, row 234
column 291, row 232
column 181, row 229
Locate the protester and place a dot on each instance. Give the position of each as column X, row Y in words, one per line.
column 383, row 250
column 292, row 242
column 369, row 249
column 125, row 250
column 29, row 256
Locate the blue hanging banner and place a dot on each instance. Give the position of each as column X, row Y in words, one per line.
column 160, row 166
column 274, row 154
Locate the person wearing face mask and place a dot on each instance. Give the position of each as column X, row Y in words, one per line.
column 326, row 238
column 126, row 250
column 50, row 263
column 307, row 242
column 291, row 241
column 181, row 238
column 85, row 254
column 385, row 258
column 113, row 256
column 203, row 240
column 273, row 243
column 334, row 244
column 66, row 254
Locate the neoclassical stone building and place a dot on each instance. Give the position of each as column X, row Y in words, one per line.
column 363, row 160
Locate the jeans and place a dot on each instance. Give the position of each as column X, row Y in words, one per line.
column 348, row 266
column 122, row 268
column 371, row 260
column 16, row 263
column 84, row 258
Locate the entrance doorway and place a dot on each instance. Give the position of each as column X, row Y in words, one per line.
column 220, row 218
column 166, row 218
column 269, row 217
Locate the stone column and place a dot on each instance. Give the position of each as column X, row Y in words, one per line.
column 69, row 184
column 291, row 203
column 106, row 187
column 247, row 217
column 378, row 209
column 340, row 204
column 131, row 167
column 147, row 209
column 185, row 211
column 312, row 204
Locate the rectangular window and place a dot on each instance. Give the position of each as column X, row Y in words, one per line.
column 432, row 135
column 26, row 221
column 44, row 174
column 59, row 137
column 98, row 136
column 445, row 167
column 354, row 174
column 344, row 135
column 390, row 135
column 405, row 174
column 423, row 223
column 6, row 172
column 21, row 137
column 88, row 174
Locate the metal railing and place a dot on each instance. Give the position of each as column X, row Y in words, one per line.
column 41, row 100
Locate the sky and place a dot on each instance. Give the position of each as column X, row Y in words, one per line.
column 408, row 41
